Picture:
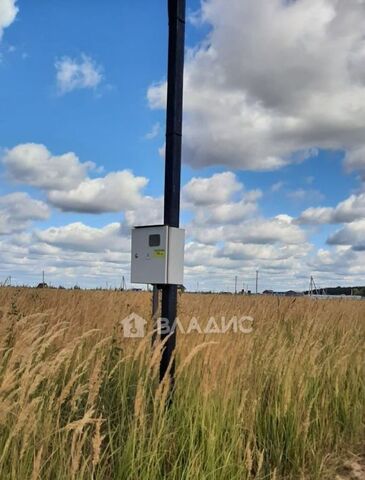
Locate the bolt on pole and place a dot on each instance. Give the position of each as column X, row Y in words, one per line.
column 174, row 114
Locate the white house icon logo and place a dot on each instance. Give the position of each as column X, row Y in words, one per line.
column 133, row 326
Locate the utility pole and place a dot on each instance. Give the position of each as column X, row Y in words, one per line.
column 312, row 287
column 174, row 114
column 43, row 277
column 257, row 282
column 235, row 284
column 155, row 301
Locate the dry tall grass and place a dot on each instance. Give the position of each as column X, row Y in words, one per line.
column 77, row 401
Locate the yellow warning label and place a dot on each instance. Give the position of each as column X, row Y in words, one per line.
column 159, row 253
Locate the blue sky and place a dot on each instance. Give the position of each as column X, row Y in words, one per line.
column 265, row 125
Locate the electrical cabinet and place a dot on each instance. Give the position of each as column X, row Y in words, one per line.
column 158, row 255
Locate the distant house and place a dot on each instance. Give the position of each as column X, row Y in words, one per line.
column 291, row 293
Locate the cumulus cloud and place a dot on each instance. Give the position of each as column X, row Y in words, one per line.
column 17, row 210
column 268, row 231
column 216, row 189
column 219, row 199
column 227, row 213
column 8, row 13
column 69, row 255
column 355, row 160
column 265, row 88
column 77, row 73
column 340, row 265
column 259, row 231
column 316, row 215
column 34, row 165
column 352, row 235
column 83, row 238
column 353, row 208
column 147, row 211
column 270, row 253
column 115, row 192
column 65, row 181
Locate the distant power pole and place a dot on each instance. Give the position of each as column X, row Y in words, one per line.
column 43, row 277
column 235, row 284
column 257, row 282
column 312, row 286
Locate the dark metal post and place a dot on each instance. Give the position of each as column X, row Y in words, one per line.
column 155, row 299
column 176, row 12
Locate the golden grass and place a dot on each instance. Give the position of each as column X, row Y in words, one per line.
column 77, row 401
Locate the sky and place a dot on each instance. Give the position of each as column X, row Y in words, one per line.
column 273, row 172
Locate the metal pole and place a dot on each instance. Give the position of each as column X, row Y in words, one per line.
column 155, row 299
column 257, row 282
column 176, row 13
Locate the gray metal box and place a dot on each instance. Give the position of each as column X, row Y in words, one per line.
column 158, row 255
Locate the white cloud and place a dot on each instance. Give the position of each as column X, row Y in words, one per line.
column 261, row 231
column 154, row 132
column 353, row 208
column 17, row 210
column 219, row 199
column 355, row 160
column 226, row 236
column 276, row 187
column 8, row 13
column 352, row 235
column 77, row 73
column 340, row 266
column 316, row 215
column 270, row 253
column 65, row 180
column 83, row 238
column 304, row 195
column 266, row 86
column 34, row 165
column 268, row 231
column 115, row 192
column 147, row 211
column 69, row 255
column 217, row 189
column 227, row 213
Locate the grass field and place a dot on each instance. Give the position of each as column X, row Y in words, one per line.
column 79, row 401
